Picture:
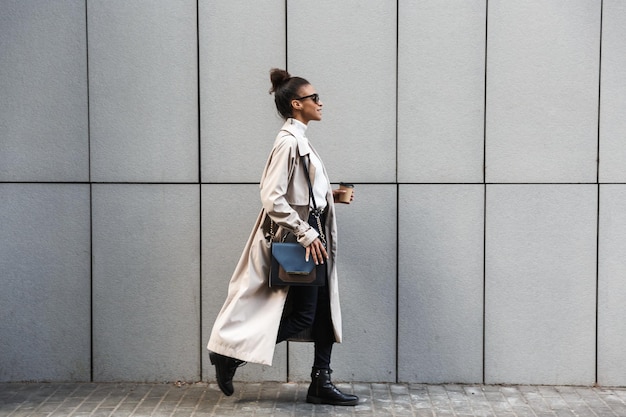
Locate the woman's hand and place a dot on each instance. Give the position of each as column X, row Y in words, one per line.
column 318, row 251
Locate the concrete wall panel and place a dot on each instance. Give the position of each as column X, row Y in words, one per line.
column 611, row 286
column 613, row 93
column 542, row 91
column 146, row 272
column 441, row 82
column 143, row 91
column 45, row 280
column 347, row 50
column 229, row 213
column 440, row 299
column 540, row 284
column 240, row 41
column 43, row 85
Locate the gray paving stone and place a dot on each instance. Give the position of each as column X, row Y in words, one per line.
column 288, row 400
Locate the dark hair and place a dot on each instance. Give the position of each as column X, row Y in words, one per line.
column 285, row 88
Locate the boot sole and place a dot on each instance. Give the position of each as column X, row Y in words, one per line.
column 317, row 400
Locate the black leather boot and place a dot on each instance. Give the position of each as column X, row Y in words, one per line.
column 225, row 368
column 323, row 391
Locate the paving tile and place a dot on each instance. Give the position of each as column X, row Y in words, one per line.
column 288, row 400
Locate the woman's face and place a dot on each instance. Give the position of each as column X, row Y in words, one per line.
column 308, row 106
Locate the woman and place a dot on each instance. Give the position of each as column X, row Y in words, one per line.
column 255, row 317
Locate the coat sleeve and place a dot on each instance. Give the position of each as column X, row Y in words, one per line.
column 274, row 184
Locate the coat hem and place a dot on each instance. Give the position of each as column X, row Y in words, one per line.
column 243, row 356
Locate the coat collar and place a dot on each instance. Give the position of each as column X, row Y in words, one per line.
column 297, row 130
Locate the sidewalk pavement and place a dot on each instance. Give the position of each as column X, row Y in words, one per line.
column 288, row 399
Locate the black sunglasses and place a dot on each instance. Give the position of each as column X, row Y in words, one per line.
column 315, row 97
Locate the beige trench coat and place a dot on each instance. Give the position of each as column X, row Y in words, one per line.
column 247, row 325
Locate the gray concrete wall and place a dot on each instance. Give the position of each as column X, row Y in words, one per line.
column 486, row 140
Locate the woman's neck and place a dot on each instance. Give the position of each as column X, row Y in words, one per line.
column 300, row 126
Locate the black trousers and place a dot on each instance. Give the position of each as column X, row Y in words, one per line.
column 310, row 307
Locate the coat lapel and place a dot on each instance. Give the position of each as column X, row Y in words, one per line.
column 303, row 146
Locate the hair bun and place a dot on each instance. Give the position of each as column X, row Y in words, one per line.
column 278, row 78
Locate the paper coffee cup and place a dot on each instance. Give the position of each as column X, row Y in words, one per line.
column 345, row 197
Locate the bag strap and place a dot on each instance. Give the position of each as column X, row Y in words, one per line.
column 316, row 212
column 308, row 181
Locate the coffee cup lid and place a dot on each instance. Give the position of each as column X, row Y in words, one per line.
column 346, row 185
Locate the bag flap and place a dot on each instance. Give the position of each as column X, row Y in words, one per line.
column 291, row 257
